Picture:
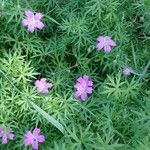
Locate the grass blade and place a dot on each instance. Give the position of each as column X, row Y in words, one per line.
column 48, row 117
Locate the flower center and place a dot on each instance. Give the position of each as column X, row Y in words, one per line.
column 42, row 86
column 34, row 139
column 32, row 21
column 105, row 41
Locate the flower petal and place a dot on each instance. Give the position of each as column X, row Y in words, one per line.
column 4, row 139
column 29, row 13
column 37, row 82
column 127, row 71
column 28, row 138
column 90, row 83
column 29, row 135
column 85, row 77
column 84, row 96
column 99, row 46
column 49, row 85
column 38, row 16
column 39, row 25
column 41, row 138
column 100, row 38
column 31, row 28
column 89, row 90
column 107, row 49
column 112, row 42
column 43, row 79
column 25, row 22
column 36, row 132
column 39, row 89
column 27, row 142
column 77, row 85
column 77, row 94
column 80, row 79
column 45, row 90
column 35, row 145
column 10, row 136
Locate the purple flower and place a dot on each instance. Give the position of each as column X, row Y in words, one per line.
column 33, row 21
column 42, row 86
column 33, row 138
column 106, row 43
column 127, row 71
column 83, row 87
column 6, row 135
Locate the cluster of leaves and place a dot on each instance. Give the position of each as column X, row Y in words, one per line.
column 117, row 114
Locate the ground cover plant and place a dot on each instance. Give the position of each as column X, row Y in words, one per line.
column 74, row 74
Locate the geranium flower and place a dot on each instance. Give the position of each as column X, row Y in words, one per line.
column 83, row 87
column 106, row 43
column 5, row 135
column 33, row 21
column 127, row 71
column 33, row 138
column 42, row 86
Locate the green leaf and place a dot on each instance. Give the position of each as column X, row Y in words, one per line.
column 48, row 117
column 53, row 20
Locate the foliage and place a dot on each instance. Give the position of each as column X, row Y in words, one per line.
column 117, row 114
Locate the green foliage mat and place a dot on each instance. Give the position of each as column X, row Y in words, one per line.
column 116, row 115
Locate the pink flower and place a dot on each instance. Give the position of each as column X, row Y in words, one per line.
column 83, row 87
column 106, row 43
column 6, row 135
column 33, row 21
column 33, row 138
column 127, row 71
column 42, row 86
